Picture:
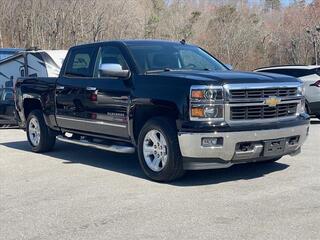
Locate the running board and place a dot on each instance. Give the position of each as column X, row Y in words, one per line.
column 110, row 148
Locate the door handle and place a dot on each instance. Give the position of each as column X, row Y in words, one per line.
column 91, row 88
column 59, row 87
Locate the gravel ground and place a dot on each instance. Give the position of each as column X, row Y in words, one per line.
column 81, row 193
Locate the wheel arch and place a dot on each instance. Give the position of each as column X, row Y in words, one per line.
column 31, row 104
column 142, row 113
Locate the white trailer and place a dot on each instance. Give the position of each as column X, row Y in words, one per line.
column 33, row 63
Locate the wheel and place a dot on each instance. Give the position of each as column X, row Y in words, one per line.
column 39, row 135
column 158, row 150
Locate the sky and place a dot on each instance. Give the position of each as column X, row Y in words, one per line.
column 287, row 2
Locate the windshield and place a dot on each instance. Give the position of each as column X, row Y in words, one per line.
column 168, row 56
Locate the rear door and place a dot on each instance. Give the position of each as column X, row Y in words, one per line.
column 71, row 89
column 89, row 103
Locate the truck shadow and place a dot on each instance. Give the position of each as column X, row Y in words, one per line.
column 129, row 165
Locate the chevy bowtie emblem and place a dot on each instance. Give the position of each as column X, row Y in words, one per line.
column 272, row 101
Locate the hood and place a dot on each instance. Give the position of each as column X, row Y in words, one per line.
column 228, row 77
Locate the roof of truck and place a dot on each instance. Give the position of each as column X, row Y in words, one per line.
column 137, row 42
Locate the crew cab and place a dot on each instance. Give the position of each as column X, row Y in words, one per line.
column 173, row 103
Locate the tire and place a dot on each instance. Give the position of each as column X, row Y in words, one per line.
column 40, row 137
column 170, row 167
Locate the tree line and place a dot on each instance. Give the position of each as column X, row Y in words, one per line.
column 246, row 34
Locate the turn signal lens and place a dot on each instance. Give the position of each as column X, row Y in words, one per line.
column 197, row 94
column 197, row 112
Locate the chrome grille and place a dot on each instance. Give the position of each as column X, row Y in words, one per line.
column 262, row 93
column 262, row 111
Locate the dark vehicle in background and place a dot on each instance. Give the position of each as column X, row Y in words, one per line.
column 175, row 104
column 310, row 76
column 7, row 107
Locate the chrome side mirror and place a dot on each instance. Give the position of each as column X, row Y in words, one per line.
column 113, row 70
column 229, row 66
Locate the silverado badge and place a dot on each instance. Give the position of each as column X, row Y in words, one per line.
column 272, row 101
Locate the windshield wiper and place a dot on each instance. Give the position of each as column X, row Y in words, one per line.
column 160, row 70
column 177, row 69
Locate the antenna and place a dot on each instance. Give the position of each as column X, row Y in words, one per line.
column 183, row 41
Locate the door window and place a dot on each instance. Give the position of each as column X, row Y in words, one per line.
column 112, row 55
column 81, row 62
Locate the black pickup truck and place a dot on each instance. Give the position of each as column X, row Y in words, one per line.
column 175, row 104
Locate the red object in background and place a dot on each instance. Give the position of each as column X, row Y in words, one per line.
column 93, row 97
column 316, row 84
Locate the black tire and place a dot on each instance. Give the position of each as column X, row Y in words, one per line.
column 173, row 169
column 47, row 137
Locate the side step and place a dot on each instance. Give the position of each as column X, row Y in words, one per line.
column 110, row 148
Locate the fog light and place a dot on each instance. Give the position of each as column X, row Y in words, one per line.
column 211, row 142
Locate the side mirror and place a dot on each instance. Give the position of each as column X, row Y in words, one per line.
column 229, row 66
column 113, row 70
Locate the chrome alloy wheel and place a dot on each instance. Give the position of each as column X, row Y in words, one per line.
column 155, row 150
column 34, row 132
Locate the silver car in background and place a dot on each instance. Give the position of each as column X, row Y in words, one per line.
column 310, row 75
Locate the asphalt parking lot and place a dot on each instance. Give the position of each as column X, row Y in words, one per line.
column 81, row 193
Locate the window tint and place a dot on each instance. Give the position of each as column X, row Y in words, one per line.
column 112, row 55
column 81, row 62
column 150, row 57
column 190, row 59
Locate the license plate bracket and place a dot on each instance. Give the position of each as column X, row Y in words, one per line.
column 274, row 147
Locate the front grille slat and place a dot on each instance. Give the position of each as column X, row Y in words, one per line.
column 262, row 112
column 263, row 93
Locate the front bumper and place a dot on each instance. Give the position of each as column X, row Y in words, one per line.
column 198, row 157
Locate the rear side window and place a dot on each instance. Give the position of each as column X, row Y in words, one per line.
column 81, row 62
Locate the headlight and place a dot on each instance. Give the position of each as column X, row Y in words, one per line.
column 210, row 111
column 206, row 103
column 302, row 106
column 301, row 90
column 210, row 94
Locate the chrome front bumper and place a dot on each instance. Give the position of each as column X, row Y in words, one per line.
column 227, row 155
